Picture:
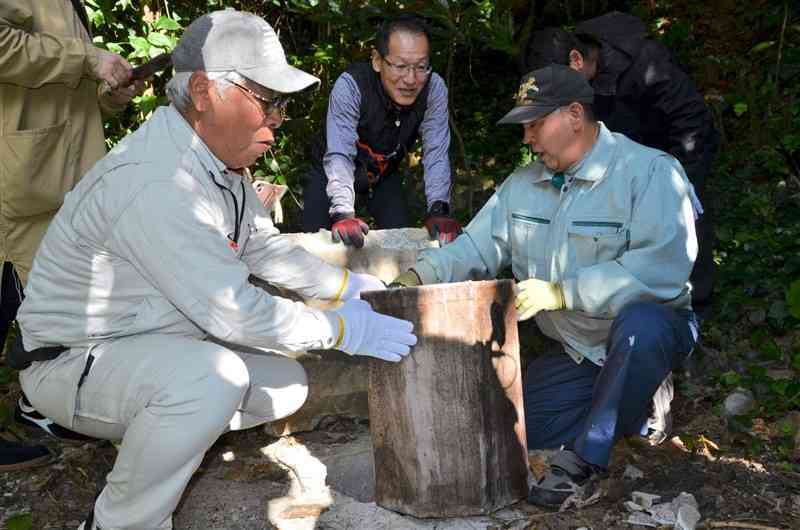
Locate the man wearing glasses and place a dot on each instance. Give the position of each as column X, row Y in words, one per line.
column 376, row 113
column 140, row 323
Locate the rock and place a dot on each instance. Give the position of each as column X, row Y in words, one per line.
column 633, row 507
column 645, row 500
column 739, row 402
column 757, row 316
column 794, row 505
column 793, row 420
column 386, row 253
column 684, row 499
column 688, row 517
column 663, row 513
column 641, row 519
column 780, row 374
column 632, row 473
column 752, row 355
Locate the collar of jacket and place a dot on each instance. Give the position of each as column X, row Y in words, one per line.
column 594, row 165
column 186, row 138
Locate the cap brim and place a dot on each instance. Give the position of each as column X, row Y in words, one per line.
column 285, row 79
column 526, row 114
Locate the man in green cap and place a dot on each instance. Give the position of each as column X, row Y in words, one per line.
column 599, row 234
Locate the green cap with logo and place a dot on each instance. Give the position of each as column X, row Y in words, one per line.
column 545, row 90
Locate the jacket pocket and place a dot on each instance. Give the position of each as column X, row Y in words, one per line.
column 528, row 239
column 597, row 241
column 36, row 170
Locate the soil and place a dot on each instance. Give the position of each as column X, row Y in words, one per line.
column 704, row 457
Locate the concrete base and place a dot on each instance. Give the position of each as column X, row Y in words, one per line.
column 337, row 387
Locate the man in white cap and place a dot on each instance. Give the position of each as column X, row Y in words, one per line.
column 135, row 331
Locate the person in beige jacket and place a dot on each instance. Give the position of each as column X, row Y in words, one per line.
column 51, row 131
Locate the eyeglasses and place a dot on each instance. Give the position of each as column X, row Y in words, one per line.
column 402, row 70
column 268, row 105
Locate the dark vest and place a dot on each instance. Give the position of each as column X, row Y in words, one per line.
column 386, row 131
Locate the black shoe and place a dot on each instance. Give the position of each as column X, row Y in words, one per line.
column 15, row 456
column 25, row 414
column 567, row 476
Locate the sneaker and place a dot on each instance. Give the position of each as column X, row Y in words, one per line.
column 25, row 414
column 15, row 456
column 655, row 435
column 658, row 425
column 568, row 475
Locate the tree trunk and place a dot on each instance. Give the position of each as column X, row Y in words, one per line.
column 447, row 422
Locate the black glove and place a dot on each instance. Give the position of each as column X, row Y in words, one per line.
column 349, row 229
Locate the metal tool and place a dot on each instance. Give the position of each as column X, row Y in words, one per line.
column 148, row 69
column 144, row 71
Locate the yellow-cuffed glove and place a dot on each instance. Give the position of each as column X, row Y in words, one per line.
column 536, row 295
column 410, row 278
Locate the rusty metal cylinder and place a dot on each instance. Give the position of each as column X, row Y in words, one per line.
column 447, row 422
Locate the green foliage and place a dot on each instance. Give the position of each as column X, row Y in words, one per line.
column 22, row 521
column 793, row 299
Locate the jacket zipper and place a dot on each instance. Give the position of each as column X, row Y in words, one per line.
column 598, row 223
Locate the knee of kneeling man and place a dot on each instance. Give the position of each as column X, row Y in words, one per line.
column 646, row 321
column 641, row 315
column 231, row 371
column 296, row 389
column 220, row 372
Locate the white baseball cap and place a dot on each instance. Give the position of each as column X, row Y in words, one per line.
column 242, row 42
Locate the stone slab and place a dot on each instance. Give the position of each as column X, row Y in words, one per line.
column 219, row 499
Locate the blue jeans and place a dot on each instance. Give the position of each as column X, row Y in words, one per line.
column 588, row 407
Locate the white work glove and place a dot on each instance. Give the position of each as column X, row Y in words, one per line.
column 358, row 330
column 358, row 283
column 536, row 295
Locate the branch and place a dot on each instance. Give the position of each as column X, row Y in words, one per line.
column 454, row 126
column 780, row 47
column 734, row 524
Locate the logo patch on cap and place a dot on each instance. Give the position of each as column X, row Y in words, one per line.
column 527, row 92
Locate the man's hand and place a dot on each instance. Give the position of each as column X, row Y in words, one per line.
column 358, row 283
column 349, row 229
column 536, row 295
column 362, row 331
column 410, row 278
column 440, row 225
column 123, row 95
column 111, row 68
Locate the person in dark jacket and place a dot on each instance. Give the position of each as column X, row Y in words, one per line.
column 376, row 112
column 642, row 92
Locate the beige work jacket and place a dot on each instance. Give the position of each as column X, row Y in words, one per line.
column 51, row 131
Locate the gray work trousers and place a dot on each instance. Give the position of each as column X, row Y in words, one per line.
column 167, row 398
